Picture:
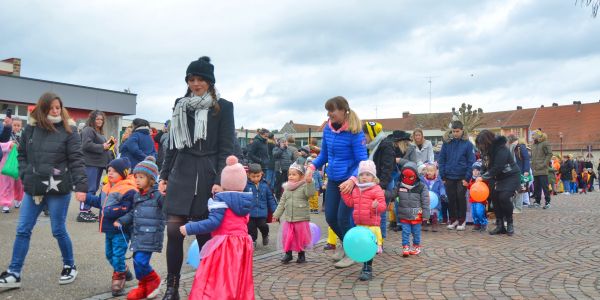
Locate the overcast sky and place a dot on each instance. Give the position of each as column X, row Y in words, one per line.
column 281, row 60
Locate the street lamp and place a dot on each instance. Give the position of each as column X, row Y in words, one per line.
column 560, row 134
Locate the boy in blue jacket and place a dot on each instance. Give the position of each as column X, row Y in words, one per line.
column 115, row 201
column 263, row 201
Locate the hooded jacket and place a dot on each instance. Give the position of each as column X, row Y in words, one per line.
column 501, row 166
column 138, row 146
column 412, row 202
column 263, row 200
column 456, row 159
column 293, row 206
column 258, row 152
column 385, row 161
column 541, row 153
column 148, row 220
column 362, row 201
column 240, row 203
column 47, row 151
column 92, row 145
column 425, row 154
column 114, row 201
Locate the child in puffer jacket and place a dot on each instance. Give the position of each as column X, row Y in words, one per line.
column 412, row 202
column 115, row 201
column 263, row 201
column 148, row 220
column 477, row 208
column 434, row 184
column 368, row 200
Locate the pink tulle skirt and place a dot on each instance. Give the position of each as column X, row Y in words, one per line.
column 295, row 236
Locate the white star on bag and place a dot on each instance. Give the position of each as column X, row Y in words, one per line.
column 52, row 184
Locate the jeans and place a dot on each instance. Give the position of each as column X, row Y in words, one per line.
column 270, row 177
column 478, row 212
column 540, row 183
column 94, row 174
column 115, row 248
column 457, row 202
column 566, row 186
column 141, row 264
column 28, row 214
column 407, row 229
column 337, row 214
column 573, row 187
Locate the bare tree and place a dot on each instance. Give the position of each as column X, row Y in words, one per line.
column 595, row 4
column 470, row 117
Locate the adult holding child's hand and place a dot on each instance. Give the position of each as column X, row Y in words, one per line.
column 343, row 133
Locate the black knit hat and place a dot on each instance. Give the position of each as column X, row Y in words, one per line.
column 121, row 166
column 400, row 135
column 203, row 68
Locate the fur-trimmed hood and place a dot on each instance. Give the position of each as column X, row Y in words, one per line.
column 447, row 137
column 499, row 141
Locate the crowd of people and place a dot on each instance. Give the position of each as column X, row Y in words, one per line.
column 192, row 178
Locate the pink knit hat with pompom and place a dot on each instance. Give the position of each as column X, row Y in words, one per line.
column 233, row 176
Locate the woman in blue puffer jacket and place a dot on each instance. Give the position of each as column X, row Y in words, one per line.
column 343, row 148
column 140, row 144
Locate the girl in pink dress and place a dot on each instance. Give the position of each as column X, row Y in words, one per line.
column 10, row 189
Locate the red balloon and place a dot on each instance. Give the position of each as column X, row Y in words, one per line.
column 479, row 192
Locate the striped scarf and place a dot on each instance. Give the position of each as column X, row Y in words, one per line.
column 179, row 135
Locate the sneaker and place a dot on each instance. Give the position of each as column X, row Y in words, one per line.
column 536, row 205
column 68, row 274
column 416, row 250
column 566, row 193
column 462, row 226
column 9, row 280
column 5, row 209
column 405, row 251
column 329, row 247
column 452, row 226
column 265, row 240
column 17, row 204
column 547, row 206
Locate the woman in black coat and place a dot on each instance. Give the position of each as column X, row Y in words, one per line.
column 499, row 167
column 200, row 139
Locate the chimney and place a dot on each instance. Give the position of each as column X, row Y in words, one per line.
column 554, row 104
column 11, row 66
column 519, row 107
column 405, row 114
column 542, row 106
column 578, row 106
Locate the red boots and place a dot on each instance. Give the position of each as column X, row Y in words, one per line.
column 148, row 288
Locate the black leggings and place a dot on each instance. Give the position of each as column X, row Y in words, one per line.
column 255, row 224
column 503, row 206
column 175, row 242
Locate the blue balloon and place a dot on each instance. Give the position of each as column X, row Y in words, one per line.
column 193, row 258
column 434, row 200
column 360, row 244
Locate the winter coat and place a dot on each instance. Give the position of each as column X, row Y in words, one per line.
column 283, row 158
column 413, row 203
column 270, row 147
column 456, row 159
column 114, row 201
column 148, row 220
column 162, row 149
column 437, row 186
column 293, row 206
column 240, row 203
column 318, row 180
column 541, row 153
column 47, row 151
column 551, row 176
column 92, row 145
column 258, row 152
column 5, row 134
column 565, row 170
column 362, row 202
column 342, row 150
column 192, row 171
column 138, row 146
column 263, row 200
column 385, row 162
column 522, row 157
column 425, row 154
column 501, row 167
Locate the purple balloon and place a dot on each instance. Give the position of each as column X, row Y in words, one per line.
column 315, row 232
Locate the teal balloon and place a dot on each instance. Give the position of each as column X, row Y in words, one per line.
column 193, row 258
column 360, row 244
column 434, row 200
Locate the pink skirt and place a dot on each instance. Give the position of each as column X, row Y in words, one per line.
column 295, row 236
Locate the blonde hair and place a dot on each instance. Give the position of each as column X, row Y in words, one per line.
column 340, row 103
column 418, row 130
column 403, row 145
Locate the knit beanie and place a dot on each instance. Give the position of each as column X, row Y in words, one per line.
column 477, row 165
column 297, row 166
column 372, row 129
column 367, row 166
column 203, row 68
column 233, row 176
column 148, row 167
column 121, row 165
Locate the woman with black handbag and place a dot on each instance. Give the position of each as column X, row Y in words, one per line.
column 50, row 165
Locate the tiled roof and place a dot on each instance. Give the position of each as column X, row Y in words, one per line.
column 305, row 127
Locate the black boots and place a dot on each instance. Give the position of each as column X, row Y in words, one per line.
column 301, row 257
column 287, row 257
column 367, row 272
column 499, row 227
column 510, row 230
column 172, row 292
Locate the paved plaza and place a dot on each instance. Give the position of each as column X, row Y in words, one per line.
column 555, row 254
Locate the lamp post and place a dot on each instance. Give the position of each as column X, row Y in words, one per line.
column 560, row 134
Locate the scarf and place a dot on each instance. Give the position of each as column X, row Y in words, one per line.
column 408, row 186
column 366, row 185
column 374, row 144
column 292, row 186
column 142, row 128
column 179, row 136
column 54, row 120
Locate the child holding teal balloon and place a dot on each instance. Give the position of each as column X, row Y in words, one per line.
column 368, row 200
column 437, row 194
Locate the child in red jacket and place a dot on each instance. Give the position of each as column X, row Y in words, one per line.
column 368, row 201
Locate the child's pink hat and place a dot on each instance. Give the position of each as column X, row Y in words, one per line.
column 233, row 176
column 367, row 166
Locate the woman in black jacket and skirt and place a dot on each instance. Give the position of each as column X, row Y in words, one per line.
column 200, row 139
column 499, row 167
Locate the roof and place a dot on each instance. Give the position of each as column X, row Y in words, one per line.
column 28, row 90
column 579, row 127
column 305, row 127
